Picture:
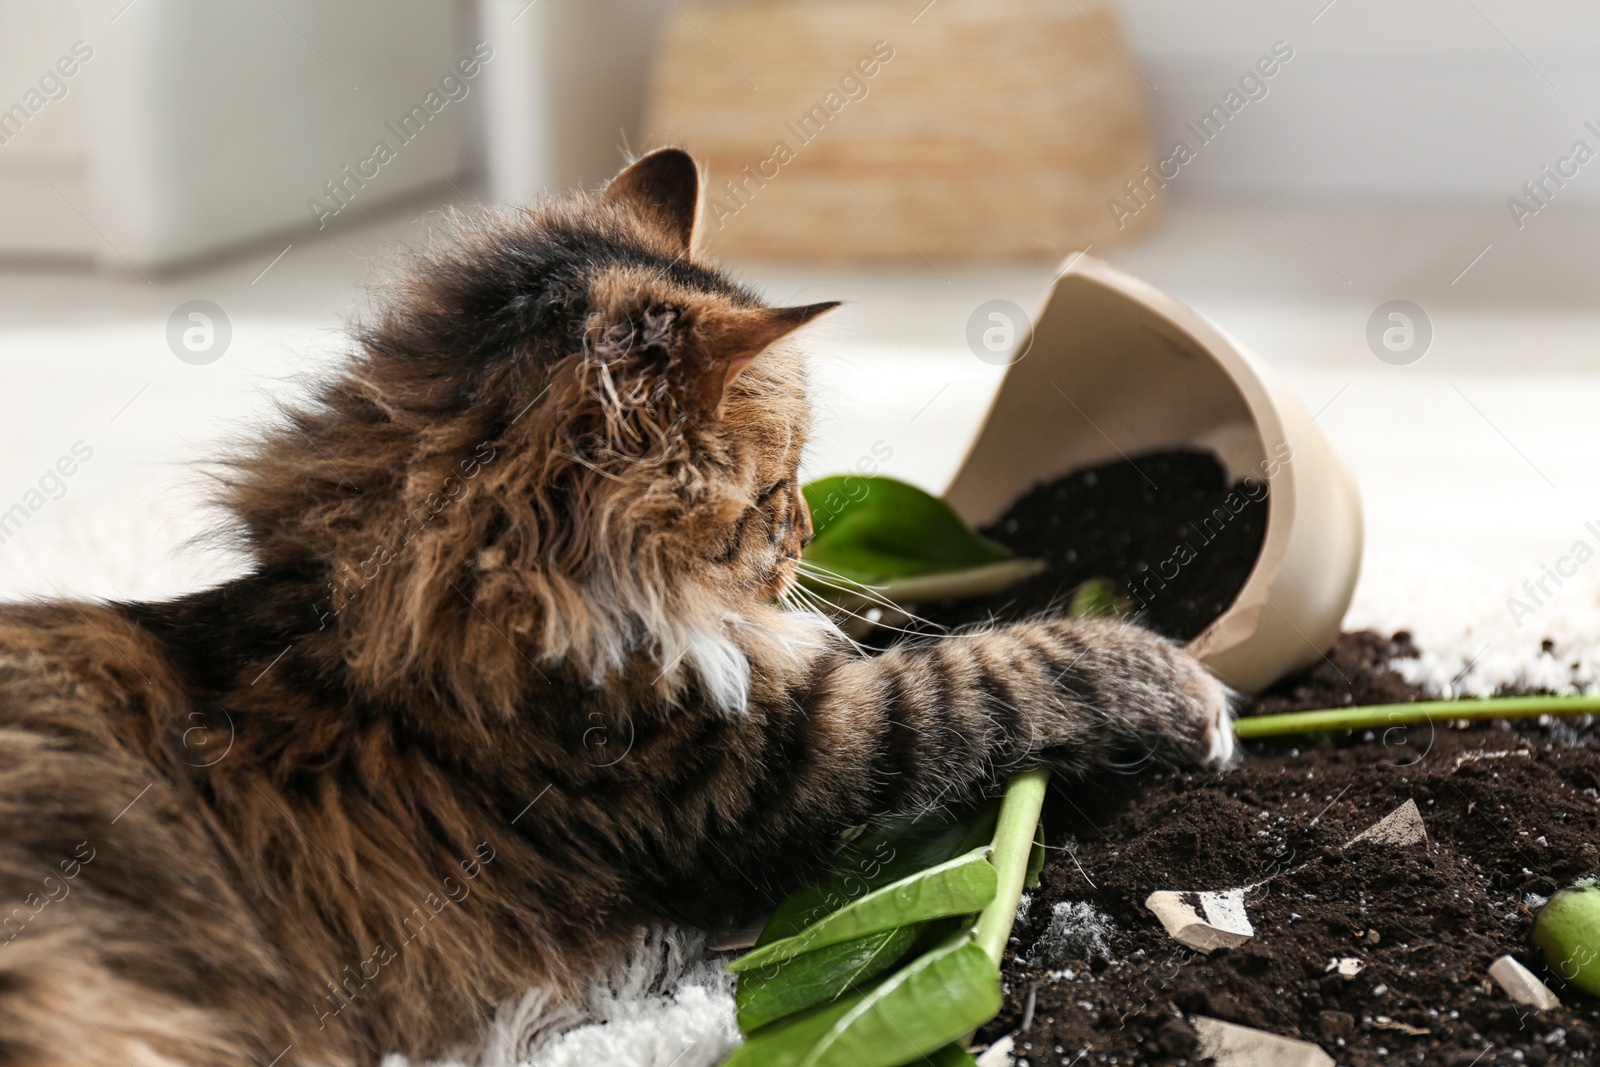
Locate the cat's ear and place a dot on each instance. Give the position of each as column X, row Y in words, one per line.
column 731, row 340
column 665, row 187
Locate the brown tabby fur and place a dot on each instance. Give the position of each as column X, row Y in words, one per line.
column 505, row 680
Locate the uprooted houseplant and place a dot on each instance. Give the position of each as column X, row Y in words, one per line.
column 896, row 958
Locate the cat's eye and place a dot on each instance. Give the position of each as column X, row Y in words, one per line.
column 735, row 539
column 767, row 493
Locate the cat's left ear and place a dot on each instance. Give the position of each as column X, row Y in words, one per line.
column 665, row 187
column 731, row 340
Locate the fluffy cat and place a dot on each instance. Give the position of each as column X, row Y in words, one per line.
column 506, row 678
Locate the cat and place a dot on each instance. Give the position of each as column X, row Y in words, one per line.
column 506, row 678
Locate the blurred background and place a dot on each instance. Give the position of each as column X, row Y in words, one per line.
column 197, row 195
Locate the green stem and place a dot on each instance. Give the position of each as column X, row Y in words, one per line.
column 1013, row 841
column 1379, row 716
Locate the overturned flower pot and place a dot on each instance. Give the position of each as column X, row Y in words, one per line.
column 1112, row 370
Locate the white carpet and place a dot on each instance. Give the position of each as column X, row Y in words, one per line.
column 667, row 1006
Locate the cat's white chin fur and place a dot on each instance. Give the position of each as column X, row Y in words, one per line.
column 723, row 667
column 721, row 656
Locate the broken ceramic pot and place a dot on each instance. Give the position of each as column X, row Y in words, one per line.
column 1203, row 921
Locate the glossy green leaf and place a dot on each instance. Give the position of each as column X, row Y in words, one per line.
column 960, row 886
column 871, row 529
column 882, row 854
column 919, row 1009
column 788, row 1043
column 954, row 1054
column 770, row 993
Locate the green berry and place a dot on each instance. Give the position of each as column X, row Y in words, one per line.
column 1567, row 931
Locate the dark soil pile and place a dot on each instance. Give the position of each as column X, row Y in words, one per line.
column 1166, row 526
column 1511, row 812
column 1354, row 673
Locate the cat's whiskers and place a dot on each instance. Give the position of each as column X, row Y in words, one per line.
column 830, row 610
column 826, row 605
column 834, row 580
column 792, row 598
column 834, row 606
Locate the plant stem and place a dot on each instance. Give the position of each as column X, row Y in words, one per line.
column 1377, row 716
column 1013, row 841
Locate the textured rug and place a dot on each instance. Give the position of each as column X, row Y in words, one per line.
column 666, row 1006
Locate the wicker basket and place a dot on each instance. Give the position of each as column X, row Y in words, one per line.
column 848, row 130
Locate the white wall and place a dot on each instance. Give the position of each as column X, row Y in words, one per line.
column 193, row 125
column 1425, row 99
column 568, row 93
column 1421, row 99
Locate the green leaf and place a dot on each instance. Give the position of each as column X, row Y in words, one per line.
column 961, row 886
column 1030, row 879
column 934, row 1000
column 870, row 529
column 954, row 1054
column 1099, row 598
column 788, row 1043
column 770, row 994
column 882, row 854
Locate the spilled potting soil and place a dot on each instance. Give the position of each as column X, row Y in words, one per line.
column 1511, row 814
column 1167, row 527
column 1376, row 953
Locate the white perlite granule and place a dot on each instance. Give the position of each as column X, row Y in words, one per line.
column 1077, row 931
